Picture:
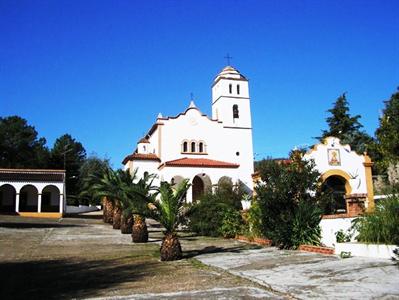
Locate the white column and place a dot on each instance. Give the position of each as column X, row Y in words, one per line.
column 39, row 203
column 61, row 203
column 17, row 202
column 189, row 198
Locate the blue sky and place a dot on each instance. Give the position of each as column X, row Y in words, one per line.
column 103, row 70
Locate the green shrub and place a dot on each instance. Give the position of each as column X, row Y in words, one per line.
column 305, row 226
column 254, row 219
column 206, row 216
column 342, row 237
column 290, row 215
column 381, row 226
column 217, row 213
column 231, row 223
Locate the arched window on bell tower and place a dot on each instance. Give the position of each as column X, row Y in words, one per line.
column 230, row 88
column 185, row 147
column 238, row 89
column 201, row 147
column 235, row 112
column 193, row 147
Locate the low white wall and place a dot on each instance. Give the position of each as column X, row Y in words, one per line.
column 330, row 226
column 80, row 209
column 366, row 250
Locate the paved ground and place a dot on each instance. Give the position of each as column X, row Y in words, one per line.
column 308, row 275
column 84, row 258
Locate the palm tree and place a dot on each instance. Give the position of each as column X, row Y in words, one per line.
column 117, row 215
column 108, row 208
column 138, row 192
column 108, row 185
column 169, row 210
column 88, row 192
column 128, row 196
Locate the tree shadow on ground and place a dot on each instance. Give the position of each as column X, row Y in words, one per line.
column 60, row 279
column 20, row 225
column 83, row 216
column 214, row 249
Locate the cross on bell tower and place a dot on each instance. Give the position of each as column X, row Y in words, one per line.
column 228, row 58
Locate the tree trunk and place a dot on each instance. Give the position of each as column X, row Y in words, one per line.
column 108, row 209
column 116, row 224
column 171, row 248
column 140, row 232
column 126, row 224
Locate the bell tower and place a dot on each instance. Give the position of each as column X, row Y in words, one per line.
column 230, row 99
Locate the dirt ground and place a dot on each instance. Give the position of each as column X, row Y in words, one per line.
column 85, row 258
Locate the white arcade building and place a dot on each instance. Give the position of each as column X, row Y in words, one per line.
column 205, row 150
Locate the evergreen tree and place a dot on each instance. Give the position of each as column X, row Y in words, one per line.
column 346, row 127
column 92, row 166
column 20, row 146
column 388, row 132
column 68, row 154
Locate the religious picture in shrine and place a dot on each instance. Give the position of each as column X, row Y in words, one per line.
column 334, row 159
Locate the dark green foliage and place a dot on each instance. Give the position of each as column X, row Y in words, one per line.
column 382, row 225
column 305, row 225
column 289, row 210
column 169, row 209
column 342, row 237
column 92, row 166
column 206, row 216
column 20, row 146
column 254, row 219
column 231, row 223
column 388, row 133
column 216, row 210
column 68, row 154
column 345, row 127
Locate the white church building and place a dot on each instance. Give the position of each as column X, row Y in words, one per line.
column 204, row 149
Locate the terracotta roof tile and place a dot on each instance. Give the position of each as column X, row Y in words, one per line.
column 199, row 162
column 32, row 175
column 140, row 156
column 143, row 141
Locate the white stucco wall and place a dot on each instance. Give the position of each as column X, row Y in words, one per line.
column 366, row 250
column 351, row 163
column 329, row 227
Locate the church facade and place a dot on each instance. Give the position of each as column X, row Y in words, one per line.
column 206, row 150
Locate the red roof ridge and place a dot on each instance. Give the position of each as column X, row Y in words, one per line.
column 198, row 162
column 141, row 156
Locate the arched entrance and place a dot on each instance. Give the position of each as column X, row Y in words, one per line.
column 7, row 198
column 50, row 199
column 201, row 184
column 28, row 199
column 335, row 186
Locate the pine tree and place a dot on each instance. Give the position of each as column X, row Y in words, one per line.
column 346, row 127
column 20, row 146
column 388, row 132
column 69, row 154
